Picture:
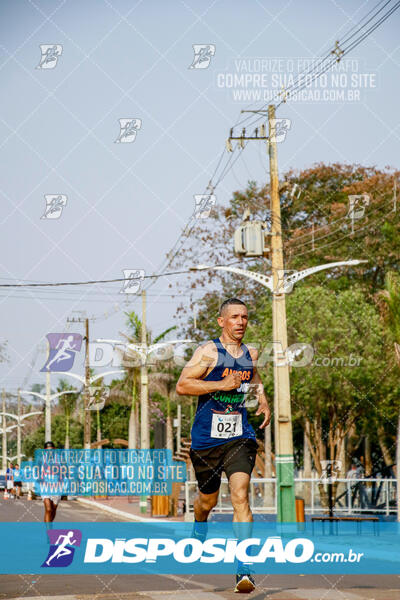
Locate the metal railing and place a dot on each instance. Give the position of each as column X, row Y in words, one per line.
column 350, row 495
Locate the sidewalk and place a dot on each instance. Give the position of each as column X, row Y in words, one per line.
column 128, row 508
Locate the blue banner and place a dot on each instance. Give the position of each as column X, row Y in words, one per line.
column 183, row 548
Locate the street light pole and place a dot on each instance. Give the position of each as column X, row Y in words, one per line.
column 143, row 350
column 4, row 446
column 18, row 417
column 87, row 415
column 48, row 398
column 19, row 429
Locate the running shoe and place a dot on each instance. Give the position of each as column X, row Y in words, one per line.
column 244, row 583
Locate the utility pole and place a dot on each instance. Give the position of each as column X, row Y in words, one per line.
column 144, row 396
column 4, row 457
column 282, row 409
column 47, row 411
column 144, row 388
column 19, row 429
column 87, row 417
column 86, row 395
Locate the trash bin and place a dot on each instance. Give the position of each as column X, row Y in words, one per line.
column 159, row 506
column 300, row 513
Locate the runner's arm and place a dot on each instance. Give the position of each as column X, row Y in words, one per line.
column 263, row 406
column 190, row 382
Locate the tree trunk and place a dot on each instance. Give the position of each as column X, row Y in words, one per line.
column 66, row 444
column 368, row 459
column 382, row 444
column 306, row 468
column 133, row 426
column 132, row 429
column 98, row 426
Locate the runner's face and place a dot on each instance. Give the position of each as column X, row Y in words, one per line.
column 234, row 321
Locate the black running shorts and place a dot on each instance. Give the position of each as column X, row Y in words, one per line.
column 232, row 457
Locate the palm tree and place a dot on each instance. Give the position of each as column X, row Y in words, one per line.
column 391, row 296
column 68, row 405
column 132, row 378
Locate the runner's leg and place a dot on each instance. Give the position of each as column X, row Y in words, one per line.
column 54, row 507
column 239, row 487
column 203, row 505
column 48, row 510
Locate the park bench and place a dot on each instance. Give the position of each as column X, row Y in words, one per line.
column 336, row 519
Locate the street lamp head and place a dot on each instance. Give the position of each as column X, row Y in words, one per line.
column 199, row 267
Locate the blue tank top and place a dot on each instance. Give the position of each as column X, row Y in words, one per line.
column 221, row 416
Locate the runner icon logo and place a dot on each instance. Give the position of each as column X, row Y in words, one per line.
column 62, row 547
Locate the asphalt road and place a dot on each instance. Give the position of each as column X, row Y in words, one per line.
column 154, row 587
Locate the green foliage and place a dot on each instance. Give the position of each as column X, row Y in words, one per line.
column 392, row 298
column 134, row 325
column 114, row 420
column 36, row 440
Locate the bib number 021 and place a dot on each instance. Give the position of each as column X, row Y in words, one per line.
column 226, row 426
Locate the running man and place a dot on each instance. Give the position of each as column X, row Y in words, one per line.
column 219, row 373
column 62, row 550
column 63, row 346
column 50, row 501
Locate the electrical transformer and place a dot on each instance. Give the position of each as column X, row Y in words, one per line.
column 250, row 239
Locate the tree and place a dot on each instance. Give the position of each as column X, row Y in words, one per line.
column 316, row 227
column 36, row 440
column 67, row 402
column 127, row 389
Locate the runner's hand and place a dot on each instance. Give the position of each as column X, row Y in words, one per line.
column 263, row 408
column 231, row 382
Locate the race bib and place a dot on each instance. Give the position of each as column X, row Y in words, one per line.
column 226, row 425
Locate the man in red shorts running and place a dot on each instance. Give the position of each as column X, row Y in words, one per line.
column 219, row 373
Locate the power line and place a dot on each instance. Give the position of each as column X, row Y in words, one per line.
column 89, row 282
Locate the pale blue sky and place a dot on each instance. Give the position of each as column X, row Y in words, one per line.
column 127, row 203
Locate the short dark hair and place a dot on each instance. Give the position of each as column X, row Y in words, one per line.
column 49, row 445
column 229, row 302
